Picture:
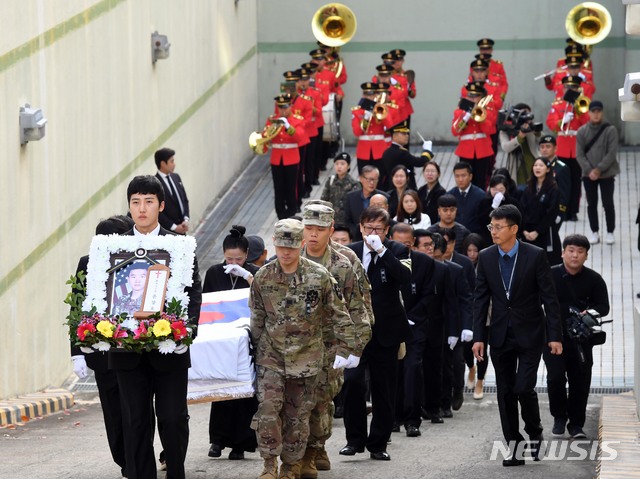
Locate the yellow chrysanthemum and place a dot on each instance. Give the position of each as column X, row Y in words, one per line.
column 162, row 328
column 105, row 328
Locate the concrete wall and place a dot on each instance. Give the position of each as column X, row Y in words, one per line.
column 636, row 372
column 440, row 38
column 87, row 64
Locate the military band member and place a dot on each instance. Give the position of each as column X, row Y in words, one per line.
column 397, row 92
column 285, row 157
column 298, row 322
column 320, row 99
column 564, row 121
column 475, row 136
column 314, row 96
column 409, row 75
column 573, row 67
column 369, row 129
column 479, row 72
column 398, row 154
column 485, row 46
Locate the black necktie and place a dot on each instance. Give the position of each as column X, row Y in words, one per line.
column 174, row 193
column 373, row 260
column 463, row 194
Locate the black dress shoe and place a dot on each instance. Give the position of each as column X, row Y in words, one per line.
column 215, row 450
column 436, row 419
column 395, row 427
column 535, row 442
column 381, row 456
column 426, row 415
column 236, row 455
column 413, row 431
column 339, row 412
column 458, row 399
column 447, row 413
column 512, row 461
column 350, row 450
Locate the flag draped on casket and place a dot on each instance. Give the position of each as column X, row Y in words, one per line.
column 221, row 366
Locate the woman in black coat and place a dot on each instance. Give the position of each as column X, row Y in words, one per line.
column 497, row 195
column 540, row 211
column 431, row 191
column 229, row 422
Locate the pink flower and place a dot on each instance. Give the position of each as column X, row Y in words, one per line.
column 120, row 333
column 84, row 329
column 179, row 330
column 141, row 332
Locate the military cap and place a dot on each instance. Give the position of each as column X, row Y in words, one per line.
column 311, row 67
column 304, row 73
column 317, row 202
column 573, row 60
column 479, row 64
column 288, row 233
column 402, row 127
column 389, row 57
column 318, row 54
column 572, row 80
column 369, row 87
column 283, row 101
column 573, row 49
column 256, row 247
column 547, row 139
column 483, row 56
column 344, row 156
column 399, row 53
column 291, row 75
column 475, row 89
column 382, row 86
column 485, row 43
column 384, row 69
column 317, row 215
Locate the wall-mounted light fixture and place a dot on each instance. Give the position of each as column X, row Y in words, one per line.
column 32, row 123
column 159, row 47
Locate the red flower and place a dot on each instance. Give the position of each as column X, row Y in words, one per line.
column 141, row 332
column 179, row 330
column 84, row 329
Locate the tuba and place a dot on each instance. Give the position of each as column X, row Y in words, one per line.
column 333, row 24
column 259, row 142
column 588, row 23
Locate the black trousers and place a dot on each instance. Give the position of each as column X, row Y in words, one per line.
column 382, row 363
column 138, row 388
column 409, row 397
column 574, row 366
column 230, row 424
column 310, row 174
column 452, row 373
column 516, row 375
column 304, row 153
column 432, row 366
column 285, row 182
column 607, row 186
column 481, row 170
column 109, row 393
column 575, row 172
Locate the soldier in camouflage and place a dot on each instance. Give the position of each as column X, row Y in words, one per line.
column 338, row 185
column 298, row 318
column 318, row 227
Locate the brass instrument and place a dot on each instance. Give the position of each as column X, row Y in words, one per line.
column 259, row 142
column 380, row 110
column 334, row 25
column 581, row 105
column 588, row 23
column 479, row 112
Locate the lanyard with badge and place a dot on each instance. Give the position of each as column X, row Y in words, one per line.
column 507, row 290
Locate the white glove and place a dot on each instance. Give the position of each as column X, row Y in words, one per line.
column 452, row 340
column 340, row 362
column 285, row 122
column 236, row 270
column 427, row 145
column 466, row 336
column 581, row 75
column 394, row 82
column 86, row 350
column 374, row 241
column 367, row 115
column 568, row 116
column 181, row 349
column 80, row 366
column 466, row 116
column 352, row 361
column 497, row 200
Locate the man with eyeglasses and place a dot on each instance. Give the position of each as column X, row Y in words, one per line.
column 388, row 266
column 515, row 278
column 358, row 201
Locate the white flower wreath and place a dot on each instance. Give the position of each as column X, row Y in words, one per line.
column 181, row 249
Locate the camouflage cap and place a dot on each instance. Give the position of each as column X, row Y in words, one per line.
column 317, row 202
column 318, row 215
column 288, row 233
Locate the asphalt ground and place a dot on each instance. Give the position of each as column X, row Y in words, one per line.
column 72, row 444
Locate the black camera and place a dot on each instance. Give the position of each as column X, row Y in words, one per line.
column 580, row 325
column 514, row 120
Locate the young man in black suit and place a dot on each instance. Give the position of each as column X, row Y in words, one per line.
column 388, row 266
column 175, row 215
column 515, row 277
column 145, row 377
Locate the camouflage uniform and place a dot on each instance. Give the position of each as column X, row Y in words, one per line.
column 297, row 321
column 335, row 191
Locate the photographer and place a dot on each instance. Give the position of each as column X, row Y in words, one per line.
column 579, row 289
column 518, row 138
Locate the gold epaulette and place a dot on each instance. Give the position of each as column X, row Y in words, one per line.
column 497, row 61
column 557, row 101
column 306, row 97
column 273, row 117
column 357, row 107
column 298, row 117
column 392, row 105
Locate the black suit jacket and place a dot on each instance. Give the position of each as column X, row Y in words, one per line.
column 532, row 287
column 468, row 208
column 398, row 155
column 121, row 359
column 469, row 269
column 387, row 276
column 171, row 214
column 353, row 209
column 430, row 201
column 464, row 299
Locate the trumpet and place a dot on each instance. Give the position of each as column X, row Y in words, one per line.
column 259, row 142
column 479, row 112
column 581, row 105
